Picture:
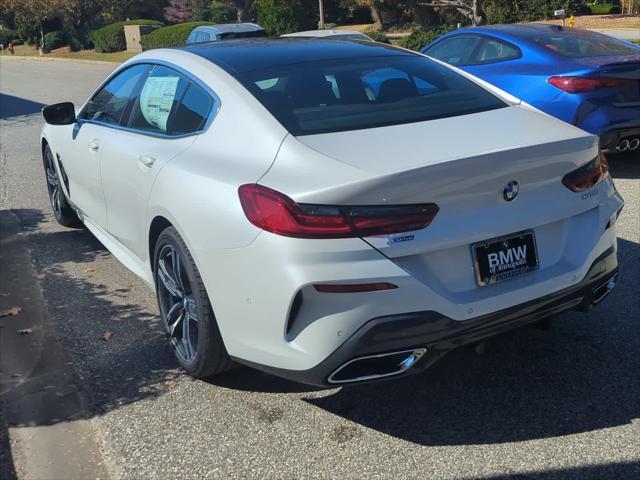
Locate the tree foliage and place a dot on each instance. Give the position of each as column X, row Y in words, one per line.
column 285, row 16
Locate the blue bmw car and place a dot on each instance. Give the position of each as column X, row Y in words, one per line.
column 585, row 78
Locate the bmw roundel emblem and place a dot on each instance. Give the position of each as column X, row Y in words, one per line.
column 511, row 190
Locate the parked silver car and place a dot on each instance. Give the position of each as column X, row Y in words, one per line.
column 225, row 31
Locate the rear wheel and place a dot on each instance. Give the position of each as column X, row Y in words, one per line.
column 186, row 312
column 61, row 209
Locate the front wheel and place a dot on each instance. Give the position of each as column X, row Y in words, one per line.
column 61, row 209
column 186, row 312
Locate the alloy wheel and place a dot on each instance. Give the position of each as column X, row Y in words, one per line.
column 53, row 184
column 177, row 303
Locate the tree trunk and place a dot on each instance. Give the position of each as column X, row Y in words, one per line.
column 375, row 13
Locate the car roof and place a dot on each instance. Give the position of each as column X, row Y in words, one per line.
column 523, row 31
column 231, row 27
column 324, row 33
column 242, row 55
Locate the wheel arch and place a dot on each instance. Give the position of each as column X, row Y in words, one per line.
column 158, row 224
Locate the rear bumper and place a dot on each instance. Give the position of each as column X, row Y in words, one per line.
column 439, row 334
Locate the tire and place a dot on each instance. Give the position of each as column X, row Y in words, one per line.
column 185, row 308
column 62, row 211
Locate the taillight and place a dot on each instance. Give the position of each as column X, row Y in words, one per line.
column 272, row 211
column 585, row 84
column 588, row 175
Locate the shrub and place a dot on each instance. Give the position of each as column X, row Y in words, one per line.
column 220, row 12
column 376, row 36
column 172, row 36
column 6, row 36
column 422, row 36
column 55, row 39
column 286, row 16
column 111, row 38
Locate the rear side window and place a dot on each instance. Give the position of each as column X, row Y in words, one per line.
column 455, row 50
column 333, row 96
column 110, row 103
column 495, row 51
column 193, row 111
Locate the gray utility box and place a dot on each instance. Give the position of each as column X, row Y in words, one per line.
column 133, row 33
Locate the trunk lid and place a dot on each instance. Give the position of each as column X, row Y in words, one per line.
column 461, row 163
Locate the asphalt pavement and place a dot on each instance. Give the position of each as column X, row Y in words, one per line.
column 562, row 403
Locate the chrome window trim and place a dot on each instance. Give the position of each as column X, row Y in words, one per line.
column 213, row 113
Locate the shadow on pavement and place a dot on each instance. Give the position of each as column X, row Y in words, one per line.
column 529, row 384
column 11, row 106
column 611, row 471
column 625, row 165
column 134, row 364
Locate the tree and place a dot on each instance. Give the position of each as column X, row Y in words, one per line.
column 30, row 15
column 178, row 11
column 472, row 9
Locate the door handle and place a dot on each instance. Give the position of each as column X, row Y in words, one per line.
column 94, row 145
column 147, row 160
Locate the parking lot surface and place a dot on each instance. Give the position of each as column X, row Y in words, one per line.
column 561, row 403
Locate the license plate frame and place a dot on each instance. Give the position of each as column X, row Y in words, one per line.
column 483, row 264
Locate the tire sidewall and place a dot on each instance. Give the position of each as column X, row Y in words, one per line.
column 171, row 236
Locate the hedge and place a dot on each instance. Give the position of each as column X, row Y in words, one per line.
column 7, row 35
column 55, row 39
column 171, row 36
column 376, row 36
column 111, row 38
column 422, row 36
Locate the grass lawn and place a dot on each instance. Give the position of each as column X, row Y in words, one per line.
column 29, row 51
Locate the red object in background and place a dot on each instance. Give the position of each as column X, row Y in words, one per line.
column 10, row 46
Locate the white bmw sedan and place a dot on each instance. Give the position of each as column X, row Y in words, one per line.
column 332, row 211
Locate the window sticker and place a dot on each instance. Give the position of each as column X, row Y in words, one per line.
column 157, row 98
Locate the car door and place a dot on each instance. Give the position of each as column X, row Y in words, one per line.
column 81, row 157
column 166, row 114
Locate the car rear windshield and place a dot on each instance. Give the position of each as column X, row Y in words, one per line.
column 334, row 96
column 578, row 44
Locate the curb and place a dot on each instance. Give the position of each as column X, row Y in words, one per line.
column 53, row 59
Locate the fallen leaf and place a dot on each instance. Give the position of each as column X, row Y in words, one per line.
column 167, row 385
column 25, row 331
column 40, row 276
column 10, row 312
column 106, row 336
column 89, row 270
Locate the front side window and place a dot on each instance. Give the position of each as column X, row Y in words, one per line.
column 110, row 103
column 455, row 50
column 340, row 95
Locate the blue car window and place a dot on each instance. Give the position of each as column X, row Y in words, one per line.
column 579, row 43
column 455, row 50
column 495, row 51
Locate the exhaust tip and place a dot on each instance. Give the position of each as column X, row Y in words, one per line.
column 603, row 290
column 634, row 143
column 623, row 145
column 372, row 367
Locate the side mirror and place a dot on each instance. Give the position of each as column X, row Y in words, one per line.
column 60, row 114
